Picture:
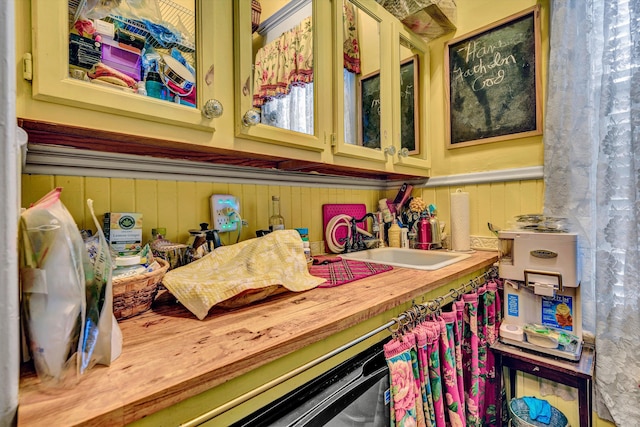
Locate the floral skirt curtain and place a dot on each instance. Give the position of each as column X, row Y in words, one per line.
column 442, row 372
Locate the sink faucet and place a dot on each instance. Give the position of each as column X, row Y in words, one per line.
column 357, row 242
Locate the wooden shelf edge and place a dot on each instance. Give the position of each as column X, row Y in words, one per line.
column 41, row 132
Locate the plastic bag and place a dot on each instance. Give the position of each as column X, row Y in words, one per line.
column 53, row 288
column 131, row 9
column 102, row 341
column 67, row 299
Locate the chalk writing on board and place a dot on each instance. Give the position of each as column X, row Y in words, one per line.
column 493, row 82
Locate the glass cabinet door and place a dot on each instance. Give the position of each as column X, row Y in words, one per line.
column 362, row 80
column 151, row 60
column 280, row 83
column 411, row 100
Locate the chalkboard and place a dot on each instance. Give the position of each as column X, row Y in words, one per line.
column 369, row 111
column 409, row 105
column 493, row 82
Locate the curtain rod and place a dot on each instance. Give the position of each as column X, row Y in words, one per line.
column 437, row 303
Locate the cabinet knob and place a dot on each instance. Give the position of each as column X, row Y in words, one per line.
column 404, row 152
column 390, row 151
column 212, row 109
column 251, row 117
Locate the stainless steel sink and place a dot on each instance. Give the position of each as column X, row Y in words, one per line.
column 408, row 258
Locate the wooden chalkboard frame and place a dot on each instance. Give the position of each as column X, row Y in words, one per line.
column 368, row 104
column 507, row 112
column 410, row 116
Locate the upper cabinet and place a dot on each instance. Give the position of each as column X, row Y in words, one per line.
column 314, row 85
column 380, row 87
column 358, row 85
column 362, row 74
column 411, row 144
column 146, row 60
column 281, row 76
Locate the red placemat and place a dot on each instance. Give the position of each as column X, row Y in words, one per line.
column 346, row 270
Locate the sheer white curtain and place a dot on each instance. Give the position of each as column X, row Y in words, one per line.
column 592, row 176
column 350, row 116
column 293, row 111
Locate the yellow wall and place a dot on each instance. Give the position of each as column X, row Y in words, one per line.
column 528, row 385
column 181, row 205
column 515, row 153
column 496, row 202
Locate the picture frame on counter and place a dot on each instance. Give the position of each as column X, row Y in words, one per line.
column 493, row 83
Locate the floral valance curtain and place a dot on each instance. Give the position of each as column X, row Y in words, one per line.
column 351, row 45
column 285, row 62
column 288, row 60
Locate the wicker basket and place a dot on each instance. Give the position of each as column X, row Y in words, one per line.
column 519, row 411
column 134, row 294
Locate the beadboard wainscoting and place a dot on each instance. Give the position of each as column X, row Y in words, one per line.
column 180, row 206
column 494, row 197
column 174, row 194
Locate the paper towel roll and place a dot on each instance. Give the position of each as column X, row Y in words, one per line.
column 460, row 239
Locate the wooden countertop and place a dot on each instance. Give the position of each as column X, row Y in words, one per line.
column 169, row 355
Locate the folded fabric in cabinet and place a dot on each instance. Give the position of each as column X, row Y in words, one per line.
column 256, row 264
column 106, row 73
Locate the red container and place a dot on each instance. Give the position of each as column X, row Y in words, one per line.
column 424, row 233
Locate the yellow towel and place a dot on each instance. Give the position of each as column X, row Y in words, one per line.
column 275, row 259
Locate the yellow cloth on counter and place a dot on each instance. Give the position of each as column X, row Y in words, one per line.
column 275, row 259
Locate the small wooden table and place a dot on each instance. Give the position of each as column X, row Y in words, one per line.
column 577, row 374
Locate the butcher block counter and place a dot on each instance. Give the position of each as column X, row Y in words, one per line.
column 174, row 367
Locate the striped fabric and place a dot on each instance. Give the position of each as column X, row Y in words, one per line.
column 344, row 271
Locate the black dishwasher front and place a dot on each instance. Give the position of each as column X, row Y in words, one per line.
column 354, row 393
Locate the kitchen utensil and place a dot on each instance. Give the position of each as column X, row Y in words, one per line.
column 201, row 242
